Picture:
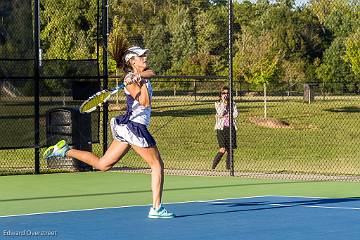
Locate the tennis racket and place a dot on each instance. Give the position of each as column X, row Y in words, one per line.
column 98, row 99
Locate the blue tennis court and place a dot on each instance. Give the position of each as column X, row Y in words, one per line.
column 259, row 217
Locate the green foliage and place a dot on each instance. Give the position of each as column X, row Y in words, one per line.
column 182, row 37
column 16, row 38
column 210, row 28
column 158, row 41
column 352, row 52
column 256, row 61
column 274, row 41
column 333, row 67
column 199, row 64
column 69, row 28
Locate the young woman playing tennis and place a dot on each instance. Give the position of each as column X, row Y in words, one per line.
column 129, row 131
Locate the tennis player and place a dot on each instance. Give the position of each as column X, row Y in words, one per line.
column 129, row 131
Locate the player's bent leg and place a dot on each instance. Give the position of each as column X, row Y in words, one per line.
column 114, row 153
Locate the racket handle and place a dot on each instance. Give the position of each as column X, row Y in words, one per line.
column 119, row 87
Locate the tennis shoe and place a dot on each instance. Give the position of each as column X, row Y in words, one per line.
column 58, row 150
column 160, row 212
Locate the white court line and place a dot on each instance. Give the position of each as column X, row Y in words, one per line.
column 312, row 206
column 119, row 207
column 199, row 201
column 294, row 196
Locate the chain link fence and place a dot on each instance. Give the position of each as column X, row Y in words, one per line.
column 299, row 139
column 295, row 83
column 64, row 74
column 16, row 64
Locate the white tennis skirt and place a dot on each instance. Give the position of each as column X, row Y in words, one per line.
column 132, row 132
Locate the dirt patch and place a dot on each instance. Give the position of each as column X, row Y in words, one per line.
column 270, row 122
column 276, row 123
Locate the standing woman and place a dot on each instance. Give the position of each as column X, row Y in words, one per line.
column 222, row 127
column 129, row 130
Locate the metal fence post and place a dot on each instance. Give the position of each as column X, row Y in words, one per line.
column 231, row 86
column 36, row 84
column 105, row 32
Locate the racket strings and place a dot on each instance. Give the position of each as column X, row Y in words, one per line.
column 95, row 101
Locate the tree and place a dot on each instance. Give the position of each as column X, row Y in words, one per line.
column 293, row 72
column 338, row 17
column 333, row 68
column 16, row 30
column 287, row 3
column 210, row 29
column 352, row 52
column 16, row 41
column 182, row 40
column 335, row 15
column 211, row 41
column 157, row 40
column 256, row 60
column 69, row 29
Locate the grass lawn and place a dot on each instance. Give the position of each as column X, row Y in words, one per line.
column 322, row 138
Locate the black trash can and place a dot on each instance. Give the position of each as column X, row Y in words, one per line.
column 73, row 127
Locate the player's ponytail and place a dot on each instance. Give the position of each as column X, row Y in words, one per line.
column 118, row 44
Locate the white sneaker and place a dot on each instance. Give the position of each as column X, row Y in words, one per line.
column 58, row 150
column 160, row 212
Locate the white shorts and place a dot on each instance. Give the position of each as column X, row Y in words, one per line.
column 132, row 132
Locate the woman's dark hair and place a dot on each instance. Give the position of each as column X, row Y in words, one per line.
column 222, row 89
column 118, row 45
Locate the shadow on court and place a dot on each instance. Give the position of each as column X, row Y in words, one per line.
column 251, row 218
column 266, row 205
